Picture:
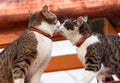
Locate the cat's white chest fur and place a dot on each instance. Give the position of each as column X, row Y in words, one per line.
column 43, row 53
column 44, row 46
column 82, row 50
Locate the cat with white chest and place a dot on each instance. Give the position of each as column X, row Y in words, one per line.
column 24, row 60
column 99, row 53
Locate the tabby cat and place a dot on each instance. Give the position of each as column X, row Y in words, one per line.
column 24, row 60
column 100, row 53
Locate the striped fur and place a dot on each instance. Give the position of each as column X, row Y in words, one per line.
column 99, row 53
column 24, row 60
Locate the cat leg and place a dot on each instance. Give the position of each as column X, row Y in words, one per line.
column 20, row 80
column 36, row 77
column 101, row 78
column 91, row 71
column 19, row 76
column 33, row 77
column 102, row 75
column 88, row 76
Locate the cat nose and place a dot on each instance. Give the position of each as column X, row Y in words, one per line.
column 58, row 24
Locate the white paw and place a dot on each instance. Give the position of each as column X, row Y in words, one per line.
column 18, row 80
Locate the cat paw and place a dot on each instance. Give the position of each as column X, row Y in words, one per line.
column 19, row 81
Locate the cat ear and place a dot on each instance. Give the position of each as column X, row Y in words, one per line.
column 85, row 18
column 79, row 21
column 82, row 19
column 45, row 10
column 30, row 12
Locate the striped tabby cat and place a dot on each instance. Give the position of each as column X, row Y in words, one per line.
column 99, row 53
column 24, row 60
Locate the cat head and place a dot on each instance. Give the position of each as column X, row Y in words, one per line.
column 75, row 26
column 44, row 20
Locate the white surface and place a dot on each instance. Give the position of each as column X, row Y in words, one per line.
column 71, row 76
column 57, row 77
column 77, row 74
column 62, row 47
